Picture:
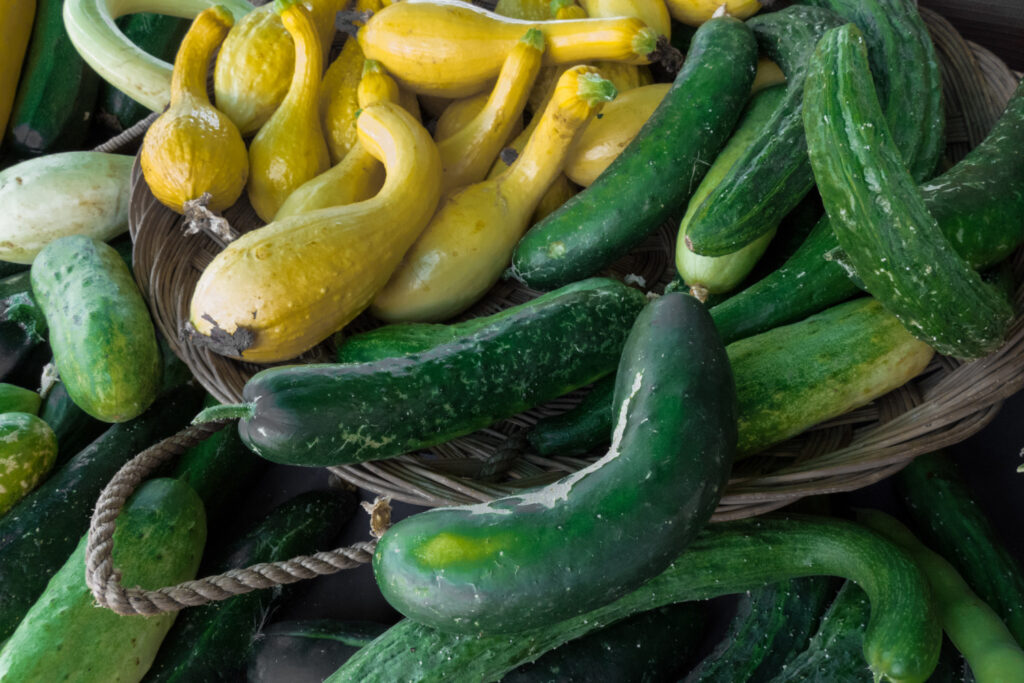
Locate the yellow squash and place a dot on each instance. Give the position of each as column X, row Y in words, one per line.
column 255, row 65
column 290, row 148
column 468, row 154
column 193, row 147
column 16, row 18
column 654, row 13
column 359, row 175
column 696, row 12
column 768, row 74
column 453, row 49
column 531, row 10
column 285, row 287
column 603, row 139
column 470, row 239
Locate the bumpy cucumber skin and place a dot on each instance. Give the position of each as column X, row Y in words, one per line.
column 655, row 175
column 902, row 640
column 772, row 174
column 212, row 642
column 320, row 415
column 103, row 340
column 39, row 533
column 879, row 216
column 307, row 651
column 158, row 541
column 532, row 559
column 28, row 448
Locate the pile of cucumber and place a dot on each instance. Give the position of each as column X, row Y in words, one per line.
column 826, row 251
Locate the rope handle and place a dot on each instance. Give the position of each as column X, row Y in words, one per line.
column 104, row 580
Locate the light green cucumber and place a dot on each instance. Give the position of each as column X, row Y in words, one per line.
column 28, row 449
column 15, row 399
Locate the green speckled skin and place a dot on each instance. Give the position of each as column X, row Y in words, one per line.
column 656, row 174
column 332, row 414
column 103, row 340
column 772, row 174
column 536, row 558
column 902, row 639
column 28, row 448
column 65, row 636
column 15, row 399
column 879, row 216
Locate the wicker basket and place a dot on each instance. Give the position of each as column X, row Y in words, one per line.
column 947, row 403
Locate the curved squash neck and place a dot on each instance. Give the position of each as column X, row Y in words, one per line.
column 393, row 136
column 188, row 80
column 304, row 91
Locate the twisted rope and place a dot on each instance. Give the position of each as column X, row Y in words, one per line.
column 128, row 135
column 104, row 580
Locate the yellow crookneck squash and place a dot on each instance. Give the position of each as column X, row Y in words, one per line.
column 470, row 239
column 255, row 65
column 696, row 12
column 282, row 288
column 290, row 148
column 453, row 49
column 359, row 175
column 16, row 18
column 468, row 154
column 193, row 148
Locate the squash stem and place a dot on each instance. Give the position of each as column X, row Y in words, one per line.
column 239, row 411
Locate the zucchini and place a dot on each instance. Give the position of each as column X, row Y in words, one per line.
column 533, row 559
column 212, row 642
column 650, row 646
column 103, row 340
column 15, row 399
column 902, row 639
column 642, row 188
column 73, row 428
column 158, row 542
column 39, row 533
column 22, row 324
column 942, row 507
column 879, row 216
column 28, row 448
column 306, row 651
column 331, row 414
column 772, row 624
column 580, row 430
column 57, row 90
column 770, row 174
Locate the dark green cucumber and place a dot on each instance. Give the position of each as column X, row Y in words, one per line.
column 74, row 428
column 771, row 174
column 650, row 646
column 15, row 399
column 979, row 204
column 951, row 521
column 56, row 92
column 27, row 451
column 307, row 651
column 39, row 533
column 158, row 35
column 532, row 559
column 213, row 642
column 103, row 340
column 8, row 268
column 878, row 215
column 158, row 542
column 332, row 414
column 22, row 324
column 772, row 624
column 656, row 174
column 579, row 430
column 902, row 639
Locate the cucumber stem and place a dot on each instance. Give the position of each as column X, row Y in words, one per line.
column 239, row 411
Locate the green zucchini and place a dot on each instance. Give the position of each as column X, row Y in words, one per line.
column 902, row 639
column 28, row 449
column 331, row 414
column 213, row 642
column 15, row 399
column 72, row 426
column 942, row 507
column 22, row 324
column 103, row 340
column 580, row 430
column 717, row 275
column 656, row 174
column 158, row 541
column 535, row 558
column 770, row 174
column 56, row 92
column 878, row 215
column 771, row 625
column 650, row 646
column 39, row 533
column 156, row 34
column 306, row 651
